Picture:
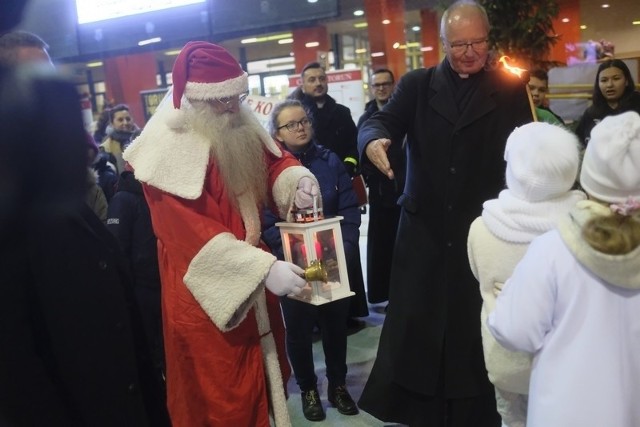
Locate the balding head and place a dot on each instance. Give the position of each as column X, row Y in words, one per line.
column 464, row 31
column 21, row 47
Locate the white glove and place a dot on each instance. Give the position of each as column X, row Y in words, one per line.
column 284, row 278
column 307, row 189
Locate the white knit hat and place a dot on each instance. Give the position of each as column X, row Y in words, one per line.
column 542, row 161
column 611, row 165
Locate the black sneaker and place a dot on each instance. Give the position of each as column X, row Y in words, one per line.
column 311, row 406
column 341, row 399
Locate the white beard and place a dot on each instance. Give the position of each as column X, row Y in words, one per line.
column 236, row 147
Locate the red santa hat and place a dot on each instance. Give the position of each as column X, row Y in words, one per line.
column 205, row 71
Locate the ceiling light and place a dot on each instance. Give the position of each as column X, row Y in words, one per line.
column 386, row 22
column 426, row 49
column 94, row 64
column 377, row 54
column 266, row 38
column 285, row 41
column 565, row 20
column 583, row 27
column 396, row 45
column 312, row 1
column 150, row 41
column 312, row 44
column 635, row 23
column 172, row 52
column 358, row 12
column 604, row 6
column 360, row 25
column 362, row 50
column 415, row 28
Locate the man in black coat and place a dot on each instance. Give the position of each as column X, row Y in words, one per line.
column 332, row 123
column 456, row 116
column 71, row 346
column 384, row 212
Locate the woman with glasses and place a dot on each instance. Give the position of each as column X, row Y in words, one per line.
column 290, row 125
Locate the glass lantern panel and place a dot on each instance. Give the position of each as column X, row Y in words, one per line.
column 326, row 241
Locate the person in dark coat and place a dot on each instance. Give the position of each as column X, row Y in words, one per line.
column 291, row 126
column 614, row 92
column 129, row 220
column 384, row 211
column 456, row 116
column 72, row 349
column 333, row 125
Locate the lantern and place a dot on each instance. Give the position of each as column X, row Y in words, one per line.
column 316, row 246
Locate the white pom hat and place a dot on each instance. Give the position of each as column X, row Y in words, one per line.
column 542, row 161
column 611, row 164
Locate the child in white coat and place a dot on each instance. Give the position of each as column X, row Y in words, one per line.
column 542, row 167
column 574, row 299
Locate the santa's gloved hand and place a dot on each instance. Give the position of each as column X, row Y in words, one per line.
column 307, row 190
column 285, row 278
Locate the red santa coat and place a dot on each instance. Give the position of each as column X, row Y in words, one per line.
column 223, row 332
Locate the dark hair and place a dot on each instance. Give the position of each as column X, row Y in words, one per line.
column 12, row 41
column 287, row 103
column 309, row 66
column 384, row 70
column 599, row 101
column 117, row 108
column 541, row 74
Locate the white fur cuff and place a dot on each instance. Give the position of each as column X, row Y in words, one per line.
column 225, row 278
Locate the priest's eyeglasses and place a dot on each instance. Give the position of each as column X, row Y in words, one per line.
column 476, row 46
column 294, row 126
column 228, row 101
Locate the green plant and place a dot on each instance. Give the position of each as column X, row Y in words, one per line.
column 520, row 29
column 523, row 30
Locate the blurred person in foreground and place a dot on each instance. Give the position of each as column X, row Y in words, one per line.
column 72, row 350
column 456, row 116
column 208, row 168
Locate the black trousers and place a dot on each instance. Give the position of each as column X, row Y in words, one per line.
column 300, row 319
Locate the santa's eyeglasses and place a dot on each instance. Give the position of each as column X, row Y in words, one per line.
column 228, row 101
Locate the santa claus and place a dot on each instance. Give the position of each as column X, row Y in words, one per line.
column 207, row 168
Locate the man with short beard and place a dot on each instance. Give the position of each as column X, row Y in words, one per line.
column 208, row 168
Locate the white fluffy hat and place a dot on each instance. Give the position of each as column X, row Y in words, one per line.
column 611, row 165
column 542, row 161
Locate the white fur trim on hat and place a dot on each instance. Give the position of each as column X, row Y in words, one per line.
column 226, row 277
column 207, row 91
column 611, row 165
column 542, row 161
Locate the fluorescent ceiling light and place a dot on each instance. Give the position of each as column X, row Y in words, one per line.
column 150, row 41
column 361, row 25
column 377, row 54
column 312, row 44
column 358, row 12
column 285, row 41
column 267, row 38
column 94, row 64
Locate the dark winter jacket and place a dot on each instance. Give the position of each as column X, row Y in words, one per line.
column 107, row 176
column 333, row 127
column 129, row 220
column 338, row 198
